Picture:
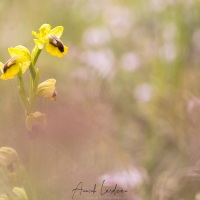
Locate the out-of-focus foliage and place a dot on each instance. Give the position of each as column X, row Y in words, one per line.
column 127, row 103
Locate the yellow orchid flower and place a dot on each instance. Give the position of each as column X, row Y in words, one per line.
column 46, row 89
column 51, row 37
column 19, row 61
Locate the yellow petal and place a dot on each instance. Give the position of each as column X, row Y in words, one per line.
column 35, row 34
column 11, row 72
column 44, row 30
column 22, row 49
column 45, row 27
column 39, row 43
column 54, row 51
column 65, row 50
column 47, row 83
column 57, row 31
column 24, row 66
column 23, row 59
column 46, row 89
column 19, row 51
column 1, row 66
column 59, row 54
column 13, row 52
column 46, row 92
column 51, row 49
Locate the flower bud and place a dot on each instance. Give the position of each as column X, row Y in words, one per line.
column 46, row 89
column 11, row 166
column 21, row 193
column 8, row 158
column 4, row 196
column 35, row 121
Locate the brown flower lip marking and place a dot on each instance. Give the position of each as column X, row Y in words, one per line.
column 56, row 43
column 54, row 96
column 9, row 63
column 10, row 167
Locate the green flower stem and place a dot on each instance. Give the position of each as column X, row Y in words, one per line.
column 34, row 79
column 32, row 71
column 38, row 51
column 22, row 93
column 35, row 54
column 32, row 160
column 33, row 88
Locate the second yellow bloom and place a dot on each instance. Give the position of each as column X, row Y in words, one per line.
column 19, row 62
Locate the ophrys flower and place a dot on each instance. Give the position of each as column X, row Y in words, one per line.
column 51, row 37
column 19, row 62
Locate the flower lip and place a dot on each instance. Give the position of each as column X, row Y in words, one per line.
column 54, row 96
column 9, row 63
column 56, row 42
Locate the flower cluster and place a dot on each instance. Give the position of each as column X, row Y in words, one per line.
column 21, row 59
column 12, row 171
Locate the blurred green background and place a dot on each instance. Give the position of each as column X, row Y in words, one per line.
column 127, row 105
